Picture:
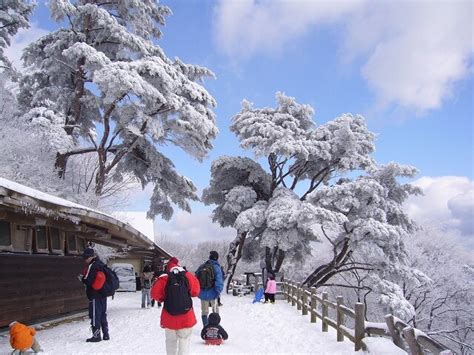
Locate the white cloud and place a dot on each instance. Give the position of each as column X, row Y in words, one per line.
column 412, row 51
column 192, row 228
column 24, row 37
column 246, row 27
column 448, row 202
column 418, row 51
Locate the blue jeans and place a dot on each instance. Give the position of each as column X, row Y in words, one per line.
column 145, row 297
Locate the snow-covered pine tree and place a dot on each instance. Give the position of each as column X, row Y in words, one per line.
column 114, row 93
column 14, row 14
column 302, row 198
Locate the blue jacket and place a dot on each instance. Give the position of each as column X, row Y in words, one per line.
column 214, row 292
column 88, row 279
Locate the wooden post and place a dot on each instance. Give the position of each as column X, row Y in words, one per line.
column 298, row 298
column 288, row 291
column 359, row 327
column 313, row 305
column 339, row 318
column 324, row 312
column 397, row 340
column 409, row 335
column 293, row 294
column 304, row 310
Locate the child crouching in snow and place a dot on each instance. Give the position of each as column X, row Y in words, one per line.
column 213, row 333
column 22, row 338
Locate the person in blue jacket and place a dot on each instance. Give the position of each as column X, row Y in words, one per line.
column 97, row 300
column 211, row 283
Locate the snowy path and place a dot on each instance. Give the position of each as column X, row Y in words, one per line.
column 253, row 329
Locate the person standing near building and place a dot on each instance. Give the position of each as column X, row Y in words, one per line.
column 175, row 289
column 146, row 278
column 211, row 281
column 94, row 278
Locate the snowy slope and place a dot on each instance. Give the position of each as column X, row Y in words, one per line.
column 252, row 328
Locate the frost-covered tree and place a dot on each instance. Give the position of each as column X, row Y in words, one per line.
column 321, row 184
column 442, row 302
column 104, row 87
column 14, row 14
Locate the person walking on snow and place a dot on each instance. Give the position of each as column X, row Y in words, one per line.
column 270, row 290
column 211, row 281
column 94, row 274
column 175, row 288
column 146, row 278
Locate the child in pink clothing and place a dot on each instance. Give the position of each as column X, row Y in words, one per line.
column 271, row 289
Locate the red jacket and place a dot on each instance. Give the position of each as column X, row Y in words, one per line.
column 181, row 321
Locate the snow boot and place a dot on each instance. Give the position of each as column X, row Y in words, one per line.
column 95, row 335
column 106, row 336
column 204, row 320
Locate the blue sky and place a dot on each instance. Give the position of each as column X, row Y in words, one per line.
column 407, row 67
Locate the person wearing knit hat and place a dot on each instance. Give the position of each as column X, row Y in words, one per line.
column 177, row 321
column 213, row 333
column 23, row 338
column 97, row 301
column 211, row 281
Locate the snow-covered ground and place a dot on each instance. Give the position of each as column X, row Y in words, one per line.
column 253, row 329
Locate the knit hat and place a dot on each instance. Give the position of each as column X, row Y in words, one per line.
column 213, row 255
column 172, row 263
column 88, row 252
column 214, row 319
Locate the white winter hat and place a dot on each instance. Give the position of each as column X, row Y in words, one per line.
column 12, row 323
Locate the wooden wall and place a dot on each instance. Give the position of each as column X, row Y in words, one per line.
column 35, row 287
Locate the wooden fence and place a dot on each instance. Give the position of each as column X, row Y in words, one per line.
column 404, row 336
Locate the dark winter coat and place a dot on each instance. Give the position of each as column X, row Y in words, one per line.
column 213, row 293
column 89, row 277
column 213, row 333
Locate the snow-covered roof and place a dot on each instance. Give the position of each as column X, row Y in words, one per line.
column 139, row 221
column 30, row 200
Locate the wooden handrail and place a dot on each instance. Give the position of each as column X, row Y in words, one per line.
column 401, row 333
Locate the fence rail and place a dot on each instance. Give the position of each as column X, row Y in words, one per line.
column 404, row 336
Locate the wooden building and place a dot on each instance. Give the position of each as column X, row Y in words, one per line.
column 42, row 238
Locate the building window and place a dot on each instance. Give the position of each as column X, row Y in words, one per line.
column 81, row 243
column 5, row 234
column 41, row 238
column 55, row 239
column 71, row 243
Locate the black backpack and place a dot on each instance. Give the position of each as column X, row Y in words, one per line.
column 111, row 283
column 178, row 299
column 205, row 275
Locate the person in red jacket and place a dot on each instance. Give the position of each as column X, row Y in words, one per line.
column 177, row 317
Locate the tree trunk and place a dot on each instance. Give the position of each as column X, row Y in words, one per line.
column 324, row 272
column 233, row 257
column 60, row 164
column 274, row 260
column 279, row 260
